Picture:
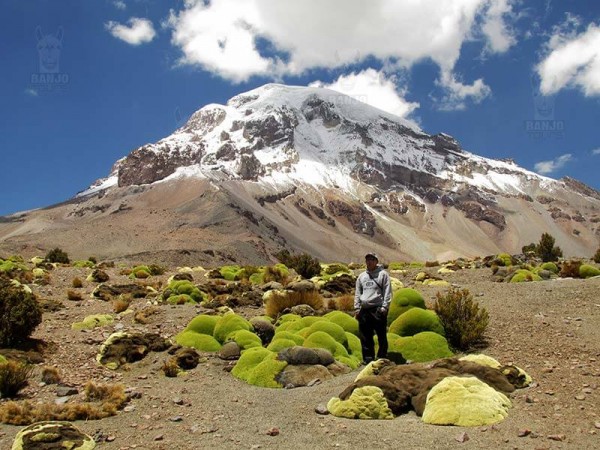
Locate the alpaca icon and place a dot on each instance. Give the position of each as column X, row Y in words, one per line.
column 49, row 47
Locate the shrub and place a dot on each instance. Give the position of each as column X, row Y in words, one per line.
column 50, row 375
column 529, row 248
column 546, row 249
column 570, row 269
column 20, row 313
column 74, row 296
column 596, row 257
column 464, row 322
column 422, row 347
column 77, row 283
column 304, row 264
column 344, row 303
column 402, row 301
column 552, row 267
column 121, row 303
column 57, row 255
column 13, row 378
column 416, row 320
column 280, row 300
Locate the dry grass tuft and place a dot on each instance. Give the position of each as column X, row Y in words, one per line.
column 77, row 283
column 101, row 401
column 50, row 375
column 570, row 269
column 74, row 296
column 121, row 303
column 13, row 378
column 345, row 303
column 170, row 367
column 279, row 301
column 144, row 316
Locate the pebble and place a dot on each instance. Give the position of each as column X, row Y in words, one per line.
column 321, row 409
column 462, row 437
column 580, row 397
column 523, row 433
column 159, row 437
column 597, row 425
column 273, row 431
column 176, row 419
column 178, row 401
column 557, row 437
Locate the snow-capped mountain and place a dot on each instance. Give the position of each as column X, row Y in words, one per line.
column 312, row 169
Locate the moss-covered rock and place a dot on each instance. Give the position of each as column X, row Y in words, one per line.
column 140, row 272
column 588, row 271
column 202, row 342
column 260, row 367
column 291, row 326
column 321, row 339
column 466, row 402
column 52, row 435
column 332, row 329
column 203, row 324
column 2, row 359
column 482, row 360
column 245, row 339
column 183, row 291
column 346, row 321
column 228, row 324
column 93, row 321
column 124, row 347
column 279, row 344
column 231, row 273
column 416, row 320
column 81, row 263
column 550, row 266
column 422, row 347
column 435, row 283
column 366, row 402
column 523, row 275
column 299, row 340
column 402, row 301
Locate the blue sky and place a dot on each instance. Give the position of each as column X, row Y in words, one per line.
column 84, row 82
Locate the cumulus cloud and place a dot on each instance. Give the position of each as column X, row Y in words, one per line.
column 457, row 93
column 225, row 36
column 374, row 88
column 138, row 32
column 547, row 167
column 119, row 4
column 573, row 60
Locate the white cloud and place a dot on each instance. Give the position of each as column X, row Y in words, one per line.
column 375, row 89
column 547, row 167
column 457, row 93
column 119, row 4
column 573, row 60
column 500, row 36
column 596, row 151
column 31, row 92
column 138, row 32
column 221, row 36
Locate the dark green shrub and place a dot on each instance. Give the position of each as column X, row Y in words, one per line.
column 529, row 248
column 13, row 378
column 20, row 313
column 155, row 269
column 464, row 322
column 57, row 255
column 546, row 249
column 596, row 257
column 304, row 264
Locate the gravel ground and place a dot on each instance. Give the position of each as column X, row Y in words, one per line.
column 551, row 329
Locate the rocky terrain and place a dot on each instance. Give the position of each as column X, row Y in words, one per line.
column 549, row 328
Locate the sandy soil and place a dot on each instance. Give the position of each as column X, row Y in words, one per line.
column 551, row 329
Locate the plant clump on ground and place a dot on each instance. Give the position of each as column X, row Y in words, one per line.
column 57, row 255
column 20, row 313
column 463, row 320
column 304, row 264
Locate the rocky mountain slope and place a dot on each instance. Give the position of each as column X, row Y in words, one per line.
column 309, row 169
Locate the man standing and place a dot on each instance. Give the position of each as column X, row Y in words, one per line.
column 371, row 304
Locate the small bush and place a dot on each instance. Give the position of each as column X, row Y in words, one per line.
column 463, row 321
column 13, row 378
column 529, row 248
column 345, row 303
column 74, row 296
column 50, row 375
column 570, row 269
column 121, row 303
column 278, row 301
column 57, row 255
column 546, row 249
column 77, row 283
column 304, row 264
column 20, row 313
column 596, row 257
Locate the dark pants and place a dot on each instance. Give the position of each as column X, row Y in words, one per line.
column 370, row 322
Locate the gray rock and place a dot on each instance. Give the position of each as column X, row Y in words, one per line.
column 298, row 355
column 230, row 351
column 65, row 391
column 302, row 310
column 303, row 375
column 301, row 286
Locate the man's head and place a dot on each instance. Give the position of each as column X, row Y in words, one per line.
column 371, row 260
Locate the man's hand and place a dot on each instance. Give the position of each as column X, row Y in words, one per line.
column 382, row 312
column 356, row 313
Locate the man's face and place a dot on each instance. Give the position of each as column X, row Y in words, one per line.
column 371, row 263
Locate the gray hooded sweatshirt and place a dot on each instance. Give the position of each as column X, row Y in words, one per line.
column 368, row 295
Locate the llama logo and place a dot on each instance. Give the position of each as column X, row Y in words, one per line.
column 544, row 124
column 49, row 47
